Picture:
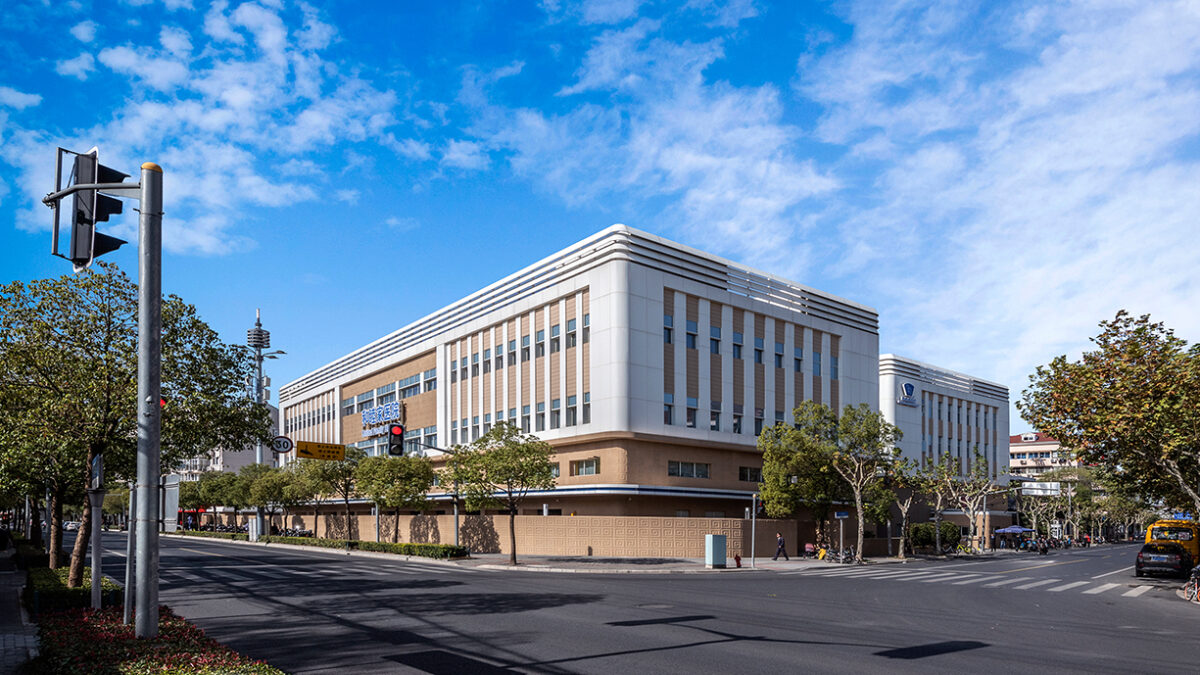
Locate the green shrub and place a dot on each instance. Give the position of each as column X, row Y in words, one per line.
column 46, row 590
column 29, row 557
column 441, row 551
column 921, row 535
column 232, row 536
column 88, row 642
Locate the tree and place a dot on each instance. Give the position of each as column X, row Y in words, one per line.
column 937, row 482
column 68, row 384
column 217, row 488
column 866, row 445
column 798, row 471
column 265, row 486
column 905, row 484
column 1132, row 405
column 969, row 490
column 499, row 468
column 395, row 483
column 334, row 478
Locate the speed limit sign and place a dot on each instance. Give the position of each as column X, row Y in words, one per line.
column 281, row 444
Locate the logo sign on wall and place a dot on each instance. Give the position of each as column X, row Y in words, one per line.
column 382, row 414
column 908, row 394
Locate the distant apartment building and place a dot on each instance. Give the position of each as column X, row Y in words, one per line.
column 649, row 367
column 222, row 459
column 943, row 412
column 1032, row 454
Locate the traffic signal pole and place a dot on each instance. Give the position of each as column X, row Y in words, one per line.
column 149, row 392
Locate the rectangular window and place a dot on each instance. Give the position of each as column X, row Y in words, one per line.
column 833, row 373
column 691, row 418
column 555, row 413
column 585, row 467
column 525, row 419
column 691, row 341
column 666, row 335
column 540, row 419
column 714, row 346
column 667, row 413
column 714, row 332
column 555, row 340
column 539, row 349
column 758, row 350
column 572, row 411
column 554, row 470
column 714, row 421
column 750, row 474
column 587, row 407
column 737, row 351
column 688, row 469
column 779, row 360
column 587, row 330
column 737, row 424
column 737, row 338
column 817, row 364
column 348, row 407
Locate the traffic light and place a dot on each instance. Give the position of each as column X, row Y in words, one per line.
column 90, row 207
column 396, row 440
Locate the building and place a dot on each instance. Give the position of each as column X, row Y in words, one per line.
column 221, row 459
column 940, row 411
column 1032, row 454
column 649, row 367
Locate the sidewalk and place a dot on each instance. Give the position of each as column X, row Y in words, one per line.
column 18, row 637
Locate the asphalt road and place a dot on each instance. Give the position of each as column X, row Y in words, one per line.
column 1073, row 611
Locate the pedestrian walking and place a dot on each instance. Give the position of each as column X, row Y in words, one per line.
column 780, row 549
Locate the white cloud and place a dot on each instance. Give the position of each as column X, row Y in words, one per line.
column 78, row 67
column 609, row 11
column 160, row 73
column 217, row 26
column 465, row 155
column 402, row 224
column 348, row 196
column 175, row 40
column 84, row 31
column 19, row 100
column 1031, row 197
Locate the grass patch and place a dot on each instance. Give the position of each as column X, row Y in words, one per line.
column 233, row 536
column 46, row 590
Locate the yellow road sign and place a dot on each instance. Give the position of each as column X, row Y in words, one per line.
column 330, row 451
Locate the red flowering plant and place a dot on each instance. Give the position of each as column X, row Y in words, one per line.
column 96, row 642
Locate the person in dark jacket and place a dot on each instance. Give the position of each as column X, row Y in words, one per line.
column 780, row 549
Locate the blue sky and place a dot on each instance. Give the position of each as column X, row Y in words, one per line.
column 994, row 178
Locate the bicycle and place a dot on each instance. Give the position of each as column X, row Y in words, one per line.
column 1192, row 586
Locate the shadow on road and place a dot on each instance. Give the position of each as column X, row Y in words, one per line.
column 931, row 649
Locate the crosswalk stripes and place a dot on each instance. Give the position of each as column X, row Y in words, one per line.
column 1100, row 589
column 985, row 580
column 997, row 584
column 975, row 580
column 1043, row 582
column 1065, row 587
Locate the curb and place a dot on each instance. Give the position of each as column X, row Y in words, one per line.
column 574, row 570
column 319, row 549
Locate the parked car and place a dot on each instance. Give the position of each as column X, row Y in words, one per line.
column 1163, row 559
column 71, row 526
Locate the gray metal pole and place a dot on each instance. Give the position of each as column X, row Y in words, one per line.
column 130, row 549
column 96, row 497
column 149, row 392
column 753, row 526
column 456, row 512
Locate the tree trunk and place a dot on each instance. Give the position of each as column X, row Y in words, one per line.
column 858, row 505
column 512, row 536
column 75, row 577
column 347, row 500
column 56, row 525
column 396, row 538
column 903, row 525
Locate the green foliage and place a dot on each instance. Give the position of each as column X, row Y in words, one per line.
column 87, row 642
column 395, row 482
column 499, row 469
column 787, row 453
column 1131, row 406
column 46, row 590
column 233, row 536
column 922, row 535
column 441, row 551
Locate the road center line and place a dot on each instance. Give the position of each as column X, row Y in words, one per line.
column 1123, row 569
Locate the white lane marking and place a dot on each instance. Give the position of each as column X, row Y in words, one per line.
column 1006, row 582
column 1136, row 592
column 367, row 570
column 1073, row 584
column 974, row 581
column 1123, row 569
column 194, row 578
column 1100, row 589
column 226, row 575
column 943, row 577
column 1035, row 584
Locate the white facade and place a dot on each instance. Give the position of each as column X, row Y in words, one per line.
column 940, row 411
column 221, row 459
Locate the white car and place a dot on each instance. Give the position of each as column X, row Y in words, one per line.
column 71, row 526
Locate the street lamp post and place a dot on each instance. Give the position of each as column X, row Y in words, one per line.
column 260, row 339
